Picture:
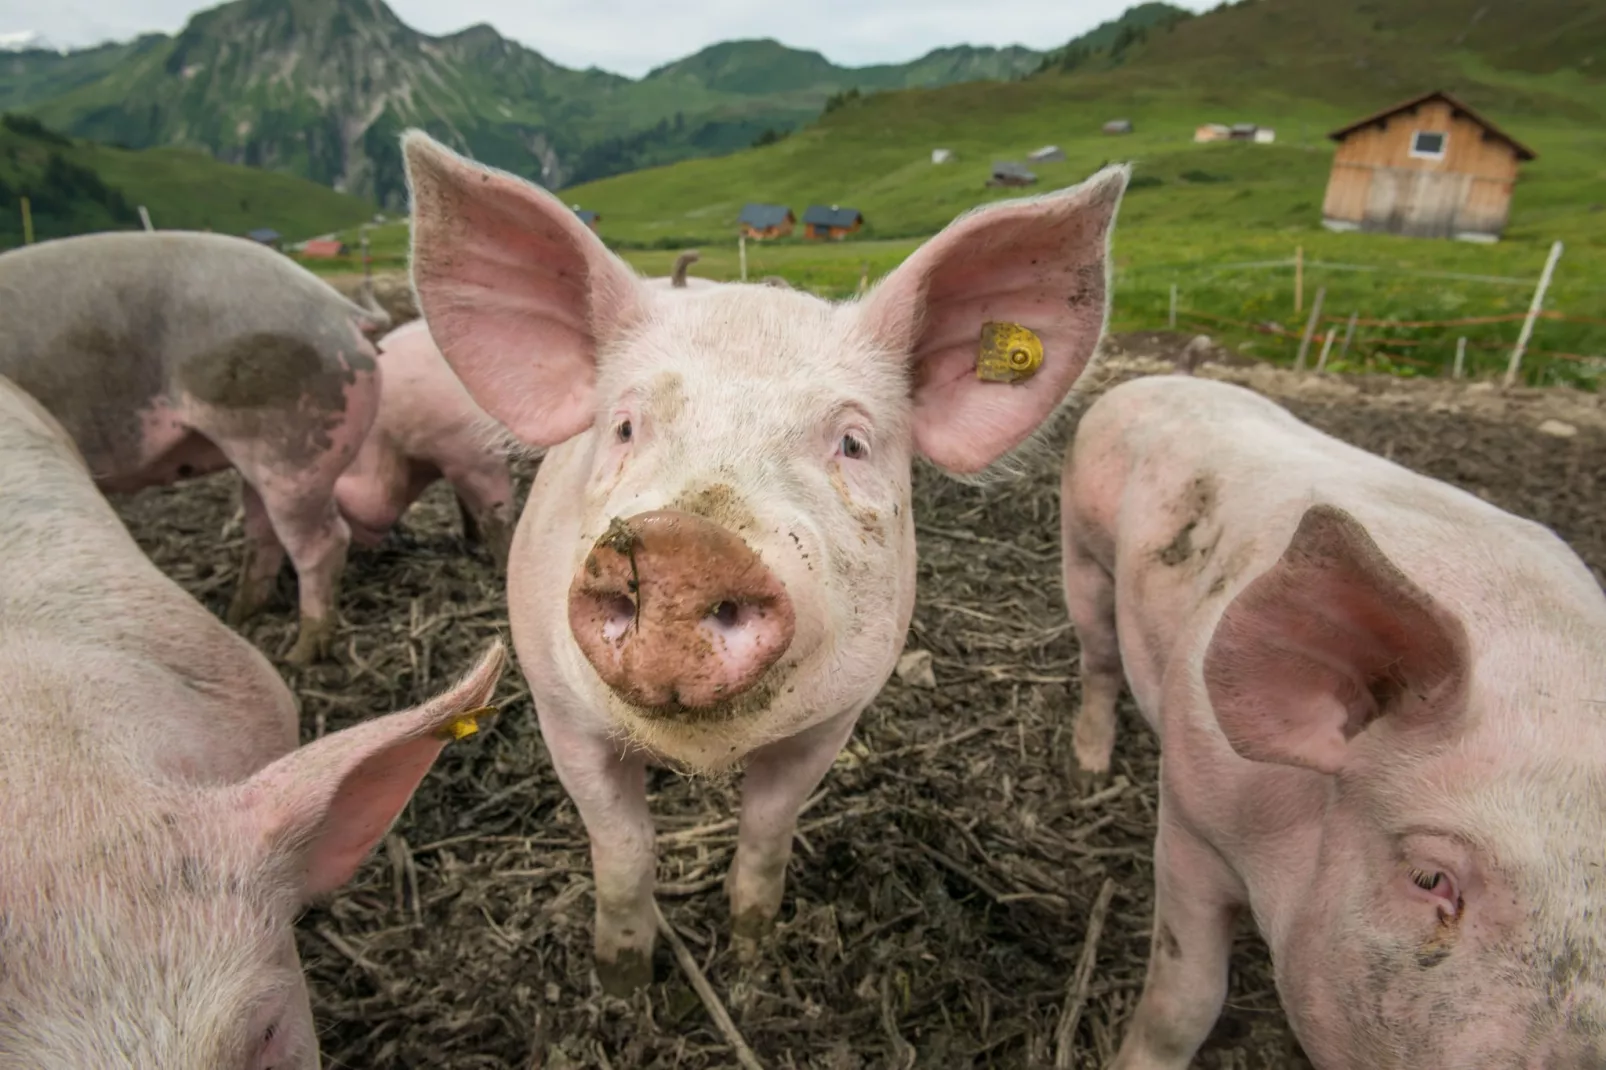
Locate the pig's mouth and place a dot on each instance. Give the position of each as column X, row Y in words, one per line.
column 681, row 619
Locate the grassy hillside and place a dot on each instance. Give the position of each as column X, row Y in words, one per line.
column 76, row 187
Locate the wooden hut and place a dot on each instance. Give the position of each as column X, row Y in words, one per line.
column 766, row 220
column 1429, row 167
column 820, row 221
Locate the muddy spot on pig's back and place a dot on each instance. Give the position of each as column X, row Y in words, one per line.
column 1193, row 509
column 263, row 370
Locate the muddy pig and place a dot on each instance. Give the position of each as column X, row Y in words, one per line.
column 168, row 355
column 428, row 428
column 1382, row 710
column 162, row 829
column 715, row 567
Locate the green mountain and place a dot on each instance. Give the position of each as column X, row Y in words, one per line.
column 75, row 187
column 1302, row 67
column 323, row 88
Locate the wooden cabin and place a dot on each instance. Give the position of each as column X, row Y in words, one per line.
column 820, row 221
column 1429, row 167
column 762, row 221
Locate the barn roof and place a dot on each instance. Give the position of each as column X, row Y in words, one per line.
column 764, row 216
column 324, row 247
column 263, row 234
column 1523, row 152
column 587, row 216
column 1014, row 170
column 820, row 216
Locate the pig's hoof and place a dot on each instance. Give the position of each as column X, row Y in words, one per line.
column 1088, row 781
column 246, row 604
column 313, row 643
column 750, row 932
column 627, row 972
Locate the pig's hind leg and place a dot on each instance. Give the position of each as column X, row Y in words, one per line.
column 260, row 561
column 1090, row 601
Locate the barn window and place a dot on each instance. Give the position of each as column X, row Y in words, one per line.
column 1428, row 144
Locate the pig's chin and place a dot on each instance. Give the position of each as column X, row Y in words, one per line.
column 711, row 740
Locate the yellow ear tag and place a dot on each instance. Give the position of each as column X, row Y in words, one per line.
column 1010, row 353
column 464, row 724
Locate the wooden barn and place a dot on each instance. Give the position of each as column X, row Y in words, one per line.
column 323, row 249
column 820, row 221
column 766, row 220
column 1429, row 167
column 588, row 217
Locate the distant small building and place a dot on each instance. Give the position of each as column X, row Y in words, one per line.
column 1242, row 132
column 820, row 221
column 1046, row 154
column 1118, row 126
column 942, row 155
column 266, row 236
column 1009, row 173
column 1211, row 132
column 323, row 248
column 1265, row 135
column 588, row 217
column 766, row 220
column 1429, row 167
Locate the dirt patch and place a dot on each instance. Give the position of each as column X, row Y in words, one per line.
column 940, row 891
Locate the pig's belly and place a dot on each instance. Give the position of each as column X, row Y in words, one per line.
column 167, row 453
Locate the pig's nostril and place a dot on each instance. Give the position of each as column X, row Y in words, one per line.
column 620, row 614
column 726, row 614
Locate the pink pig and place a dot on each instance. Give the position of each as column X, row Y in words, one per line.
column 428, row 428
column 161, row 828
column 716, row 564
column 1382, row 704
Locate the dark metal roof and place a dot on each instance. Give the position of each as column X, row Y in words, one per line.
column 264, row 234
column 821, row 216
column 765, row 216
column 1523, row 152
column 587, row 216
column 1014, row 170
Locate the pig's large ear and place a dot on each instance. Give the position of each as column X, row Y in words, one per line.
column 518, row 293
column 1326, row 641
column 325, row 805
column 1040, row 263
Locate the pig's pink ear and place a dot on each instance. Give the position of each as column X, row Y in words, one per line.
column 1327, row 640
column 1041, row 263
column 322, row 807
column 517, row 292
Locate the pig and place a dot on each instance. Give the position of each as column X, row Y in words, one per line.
column 715, row 567
column 170, row 354
column 1381, row 704
column 162, row 829
column 428, row 428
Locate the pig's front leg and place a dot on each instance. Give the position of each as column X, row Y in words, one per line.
column 1195, row 912
column 778, row 779
column 610, row 791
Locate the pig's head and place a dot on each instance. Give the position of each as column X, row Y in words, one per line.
column 747, row 559
column 1455, row 914
column 168, row 942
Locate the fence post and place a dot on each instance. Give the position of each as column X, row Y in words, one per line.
column 741, row 248
column 1171, row 320
column 1533, row 313
column 1327, row 345
column 145, row 218
column 27, row 223
column 1349, row 333
column 1299, row 279
column 1460, row 358
column 1310, row 327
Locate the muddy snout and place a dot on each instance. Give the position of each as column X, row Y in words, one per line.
column 677, row 613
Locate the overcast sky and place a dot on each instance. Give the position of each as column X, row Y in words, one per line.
column 633, row 36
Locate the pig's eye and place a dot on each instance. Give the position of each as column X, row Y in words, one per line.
column 624, row 431
column 853, row 447
column 1441, row 887
column 1425, row 880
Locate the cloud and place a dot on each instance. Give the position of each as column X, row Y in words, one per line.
column 633, row 36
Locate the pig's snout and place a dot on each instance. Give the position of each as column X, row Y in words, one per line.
column 677, row 613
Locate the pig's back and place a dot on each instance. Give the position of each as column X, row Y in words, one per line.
column 1242, row 470
column 425, row 407
column 104, row 324
column 99, row 651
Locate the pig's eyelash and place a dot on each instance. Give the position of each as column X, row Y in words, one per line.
column 1425, row 880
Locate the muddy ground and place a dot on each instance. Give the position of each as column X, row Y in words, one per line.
column 942, row 884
